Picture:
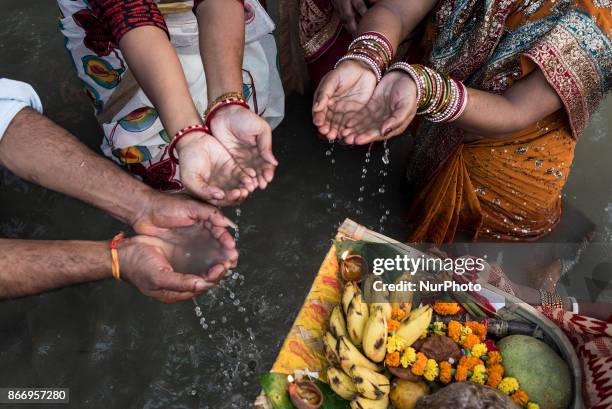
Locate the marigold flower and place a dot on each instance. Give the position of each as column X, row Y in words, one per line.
column 533, row 405
column 431, row 370
column 479, row 373
column 478, row 329
column 496, row 373
column 495, row 357
column 508, row 385
column 520, row 397
column 446, row 372
column 469, row 341
column 446, row 308
column 454, row 330
column 398, row 314
column 392, row 359
column 408, row 357
column 470, row 362
column 418, row 367
column 395, row 343
column 392, row 326
column 479, row 350
column 461, row 373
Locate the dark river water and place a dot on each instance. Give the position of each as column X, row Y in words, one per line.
column 113, row 347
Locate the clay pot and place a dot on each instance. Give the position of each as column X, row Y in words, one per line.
column 353, row 268
column 305, row 395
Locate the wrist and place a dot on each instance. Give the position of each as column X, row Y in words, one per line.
column 188, row 140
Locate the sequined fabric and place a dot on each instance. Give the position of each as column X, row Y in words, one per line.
column 512, row 193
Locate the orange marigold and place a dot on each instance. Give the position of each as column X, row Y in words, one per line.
column 496, row 373
column 393, row 359
column 470, row 340
column 520, row 397
column 445, row 372
column 478, row 329
column 446, row 308
column 392, row 325
column 461, row 373
column 495, row 357
column 470, row 361
column 418, row 367
column 454, row 330
column 398, row 314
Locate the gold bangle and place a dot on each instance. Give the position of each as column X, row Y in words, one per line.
column 218, row 100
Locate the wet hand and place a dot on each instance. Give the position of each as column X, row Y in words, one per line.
column 387, row 114
column 344, row 91
column 209, row 172
column 248, row 139
column 163, row 212
column 144, row 264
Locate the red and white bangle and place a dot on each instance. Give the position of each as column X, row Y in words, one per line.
column 380, row 37
column 230, row 98
column 179, row 135
column 419, row 81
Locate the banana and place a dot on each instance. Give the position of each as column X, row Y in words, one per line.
column 330, row 347
column 350, row 289
column 363, row 403
column 411, row 329
column 370, row 384
column 356, row 318
column 374, row 298
column 402, row 299
column 341, row 383
column 337, row 324
column 349, row 355
column 374, row 342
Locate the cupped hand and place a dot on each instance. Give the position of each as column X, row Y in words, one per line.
column 387, row 114
column 248, row 139
column 209, row 172
column 144, row 263
column 343, row 91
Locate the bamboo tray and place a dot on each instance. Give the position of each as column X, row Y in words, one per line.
column 351, row 230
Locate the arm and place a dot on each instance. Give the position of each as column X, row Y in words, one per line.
column 31, row 267
column 221, row 30
column 522, row 105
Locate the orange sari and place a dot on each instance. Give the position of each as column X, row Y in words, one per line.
column 508, row 188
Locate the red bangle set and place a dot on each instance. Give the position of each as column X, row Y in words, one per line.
column 180, row 134
column 373, row 49
column 212, row 111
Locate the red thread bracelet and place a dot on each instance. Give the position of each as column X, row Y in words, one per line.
column 222, row 104
column 180, row 134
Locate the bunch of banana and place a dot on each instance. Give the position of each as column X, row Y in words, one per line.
column 417, row 322
column 354, row 346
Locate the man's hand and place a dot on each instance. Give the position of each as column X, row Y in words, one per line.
column 144, row 264
column 350, row 12
column 210, row 173
column 248, row 139
column 388, row 113
column 343, row 91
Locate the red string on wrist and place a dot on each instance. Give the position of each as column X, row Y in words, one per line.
column 114, row 245
column 222, row 104
column 179, row 135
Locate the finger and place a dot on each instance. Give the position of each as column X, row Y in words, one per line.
column 168, row 280
column 210, row 214
column 368, row 137
column 224, row 237
column 216, row 273
column 264, row 145
column 262, row 181
column 360, row 7
column 399, row 115
column 268, row 173
column 171, row 297
column 210, row 192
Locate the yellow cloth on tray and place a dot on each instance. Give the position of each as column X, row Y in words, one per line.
column 303, row 347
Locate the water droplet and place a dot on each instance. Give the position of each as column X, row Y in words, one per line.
column 362, row 188
column 238, row 211
column 385, row 160
column 328, row 153
column 360, row 199
column 381, row 190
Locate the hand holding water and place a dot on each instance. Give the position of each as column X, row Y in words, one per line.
column 343, row 92
column 248, row 139
column 387, row 114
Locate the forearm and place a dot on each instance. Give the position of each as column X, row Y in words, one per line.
column 36, row 149
column 396, row 19
column 30, row 267
column 221, row 30
column 523, row 104
column 157, row 68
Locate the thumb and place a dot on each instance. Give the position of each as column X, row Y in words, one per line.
column 264, row 145
column 170, row 280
